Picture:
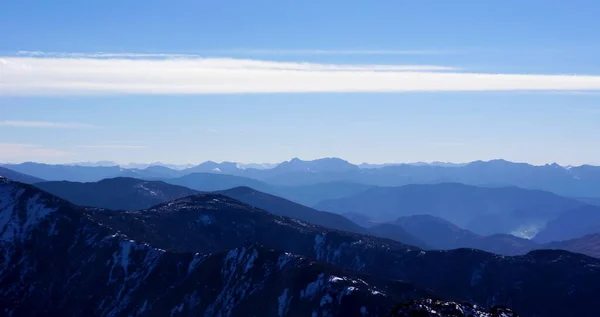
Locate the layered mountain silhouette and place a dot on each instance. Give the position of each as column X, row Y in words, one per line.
column 440, row 234
column 94, row 270
column 397, row 233
column 284, row 207
column 482, row 210
column 311, row 195
column 582, row 181
column 230, row 168
column 19, row 177
column 133, row 194
column 207, row 182
column 117, row 193
column 100, row 258
column 75, row 173
column 436, row 233
column 571, row 224
column 588, row 244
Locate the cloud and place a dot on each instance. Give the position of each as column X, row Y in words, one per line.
column 113, row 146
column 241, row 51
column 337, row 52
column 100, row 55
column 76, row 76
column 45, row 124
column 23, row 151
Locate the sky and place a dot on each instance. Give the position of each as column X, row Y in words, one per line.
column 266, row 81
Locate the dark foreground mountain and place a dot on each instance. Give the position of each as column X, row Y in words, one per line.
column 437, row 308
column 482, row 210
column 571, row 224
column 19, row 177
column 58, row 261
column 117, row 193
column 541, row 283
column 40, row 229
column 284, row 207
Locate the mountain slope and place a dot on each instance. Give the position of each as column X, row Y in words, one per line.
column 536, row 283
column 18, row 177
column 117, row 193
column 37, row 227
column 581, row 181
column 74, row 173
column 151, row 172
column 58, row 261
column 397, row 233
column 589, row 245
column 329, row 164
column 310, row 195
column 483, row 210
column 571, row 224
column 230, row 168
column 208, row 182
column 284, row 207
column 439, row 234
column 436, row 232
column 133, row 194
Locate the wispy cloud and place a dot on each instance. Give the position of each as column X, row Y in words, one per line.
column 240, row 51
column 24, row 151
column 109, row 146
column 45, row 124
column 101, row 55
column 336, row 52
column 70, row 76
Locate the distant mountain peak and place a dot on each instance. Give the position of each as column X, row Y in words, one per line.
column 329, row 164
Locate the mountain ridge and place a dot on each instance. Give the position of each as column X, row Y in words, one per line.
column 481, row 277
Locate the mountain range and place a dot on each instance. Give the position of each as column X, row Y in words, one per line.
column 571, row 224
column 133, row 194
column 424, row 231
column 116, row 193
column 419, row 227
column 435, row 233
column 581, row 181
column 19, row 177
column 157, row 260
column 59, row 260
column 483, row 210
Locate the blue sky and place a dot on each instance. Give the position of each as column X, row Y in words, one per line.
column 265, row 81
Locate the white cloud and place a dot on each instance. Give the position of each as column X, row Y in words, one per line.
column 70, row 76
column 113, row 146
column 45, row 124
column 241, row 51
column 336, row 52
column 22, row 152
